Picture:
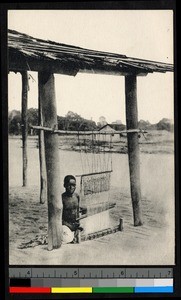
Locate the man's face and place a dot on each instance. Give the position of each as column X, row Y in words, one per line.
column 71, row 186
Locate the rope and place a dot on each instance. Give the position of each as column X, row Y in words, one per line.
column 96, row 153
column 86, row 154
column 99, row 152
column 111, row 151
column 109, row 160
column 80, row 150
column 141, row 131
column 104, row 152
column 95, row 159
column 92, row 154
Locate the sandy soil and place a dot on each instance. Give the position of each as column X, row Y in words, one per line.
column 150, row 244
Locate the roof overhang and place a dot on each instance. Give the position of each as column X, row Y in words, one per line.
column 31, row 54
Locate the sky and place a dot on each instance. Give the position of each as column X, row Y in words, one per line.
column 146, row 34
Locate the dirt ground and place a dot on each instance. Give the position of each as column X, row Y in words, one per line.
column 150, row 244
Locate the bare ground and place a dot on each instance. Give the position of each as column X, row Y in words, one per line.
column 150, row 244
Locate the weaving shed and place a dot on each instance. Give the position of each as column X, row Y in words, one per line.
column 27, row 53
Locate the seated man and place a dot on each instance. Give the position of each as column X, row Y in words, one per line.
column 71, row 209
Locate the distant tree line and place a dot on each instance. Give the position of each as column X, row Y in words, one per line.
column 14, row 120
column 71, row 121
column 164, row 124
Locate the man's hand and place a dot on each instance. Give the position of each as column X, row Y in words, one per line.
column 76, row 226
column 83, row 210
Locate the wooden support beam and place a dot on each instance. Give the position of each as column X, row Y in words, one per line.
column 87, row 132
column 43, row 174
column 47, row 90
column 133, row 147
column 24, row 127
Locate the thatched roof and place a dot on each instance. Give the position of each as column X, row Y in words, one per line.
column 28, row 53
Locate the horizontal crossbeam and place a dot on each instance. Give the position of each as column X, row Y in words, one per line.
column 95, row 173
column 73, row 132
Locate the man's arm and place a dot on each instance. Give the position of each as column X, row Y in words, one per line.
column 82, row 210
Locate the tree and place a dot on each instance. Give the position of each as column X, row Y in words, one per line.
column 14, row 122
column 61, row 123
column 165, row 124
column 32, row 118
column 142, row 124
column 72, row 121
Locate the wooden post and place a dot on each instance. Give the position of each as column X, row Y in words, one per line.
column 43, row 174
column 133, row 147
column 47, row 91
column 121, row 224
column 24, row 101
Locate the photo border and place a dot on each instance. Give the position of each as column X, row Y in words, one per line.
column 80, row 5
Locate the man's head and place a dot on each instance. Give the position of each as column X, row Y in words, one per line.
column 70, row 184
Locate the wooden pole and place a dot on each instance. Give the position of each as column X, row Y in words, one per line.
column 47, row 91
column 43, row 174
column 24, row 128
column 133, row 147
column 89, row 132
